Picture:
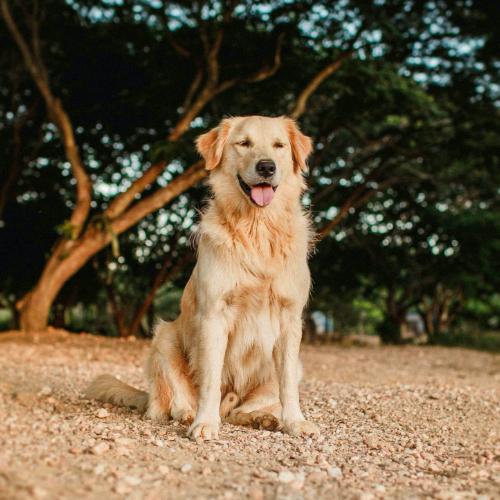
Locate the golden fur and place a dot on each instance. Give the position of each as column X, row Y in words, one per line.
column 233, row 351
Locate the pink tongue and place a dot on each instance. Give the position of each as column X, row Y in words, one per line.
column 262, row 195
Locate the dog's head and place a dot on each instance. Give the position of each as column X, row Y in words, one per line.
column 254, row 155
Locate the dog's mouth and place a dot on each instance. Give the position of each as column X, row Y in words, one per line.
column 261, row 194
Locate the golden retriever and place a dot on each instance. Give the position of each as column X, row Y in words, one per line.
column 233, row 353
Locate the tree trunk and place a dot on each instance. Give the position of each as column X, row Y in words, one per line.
column 117, row 312
column 34, row 308
column 161, row 278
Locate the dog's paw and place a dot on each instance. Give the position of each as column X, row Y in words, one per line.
column 155, row 413
column 184, row 416
column 264, row 421
column 300, row 428
column 205, row 430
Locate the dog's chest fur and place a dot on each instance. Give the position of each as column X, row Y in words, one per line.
column 267, row 276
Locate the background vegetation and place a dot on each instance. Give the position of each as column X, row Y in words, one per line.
column 100, row 183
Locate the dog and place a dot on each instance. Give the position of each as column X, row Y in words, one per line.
column 233, row 353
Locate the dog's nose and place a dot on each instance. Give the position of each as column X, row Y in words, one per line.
column 266, row 168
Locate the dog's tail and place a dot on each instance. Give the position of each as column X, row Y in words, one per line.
column 109, row 389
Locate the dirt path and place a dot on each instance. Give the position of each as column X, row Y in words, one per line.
column 408, row 422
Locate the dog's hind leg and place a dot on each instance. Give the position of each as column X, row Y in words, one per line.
column 171, row 391
column 261, row 408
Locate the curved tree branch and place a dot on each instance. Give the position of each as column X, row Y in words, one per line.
column 300, row 106
column 59, row 116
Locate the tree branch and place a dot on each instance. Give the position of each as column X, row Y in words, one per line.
column 352, row 200
column 191, row 176
column 59, row 117
column 300, row 106
column 123, row 200
column 265, row 72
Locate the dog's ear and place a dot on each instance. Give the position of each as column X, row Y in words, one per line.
column 301, row 144
column 211, row 145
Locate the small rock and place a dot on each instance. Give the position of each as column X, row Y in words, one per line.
column 123, row 441
column 256, row 494
column 51, row 401
column 159, row 442
column 102, row 413
column 206, row 471
column 366, row 496
column 147, row 432
column 99, row 449
column 132, row 480
column 261, row 474
column 76, row 451
column 99, row 469
column 334, row 472
column 122, row 489
column 46, row 391
column 286, row 477
column 371, row 443
column 297, row 484
column 186, row 468
column 122, row 451
column 38, row 492
column 163, row 469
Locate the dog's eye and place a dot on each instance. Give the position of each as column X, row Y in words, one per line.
column 245, row 144
column 279, row 145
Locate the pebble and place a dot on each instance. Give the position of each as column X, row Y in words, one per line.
column 159, row 442
column 366, row 496
column 256, row 494
column 38, row 492
column 122, row 451
column 186, row 468
column 124, row 441
column 132, row 480
column 121, row 489
column 46, row 391
column 335, row 472
column 99, row 469
column 286, row 477
column 261, row 474
column 371, row 443
column 163, row 469
column 99, row 449
column 103, row 413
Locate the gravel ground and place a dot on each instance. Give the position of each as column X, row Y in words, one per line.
column 396, row 422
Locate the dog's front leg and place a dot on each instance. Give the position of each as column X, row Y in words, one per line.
column 286, row 357
column 212, row 349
